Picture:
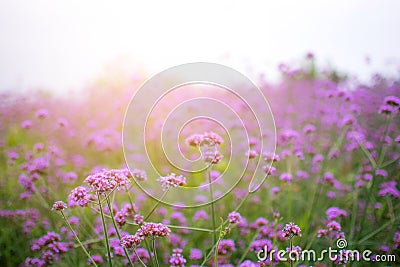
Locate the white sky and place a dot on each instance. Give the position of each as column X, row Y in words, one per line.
column 61, row 45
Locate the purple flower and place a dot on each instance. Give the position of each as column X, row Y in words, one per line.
column 131, row 241
column 26, row 124
column 287, row 177
column 389, row 188
column 234, row 217
column 177, row 259
column 195, row 254
column 97, row 259
column 107, row 180
column 42, row 113
column 59, row 206
column 291, row 230
column 392, row 101
column 79, row 196
column 171, row 180
column 333, row 212
column 226, row 246
column 139, row 175
column 381, row 172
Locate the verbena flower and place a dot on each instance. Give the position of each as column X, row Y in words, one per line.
column 226, row 246
column 177, row 259
column 107, row 180
column 59, row 206
column 171, row 180
column 79, row 196
column 290, row 230
column 234, row 217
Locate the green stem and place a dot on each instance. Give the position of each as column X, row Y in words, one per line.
column 291, row 248
column 248, row 247
column 149, row 250
column 208, row 255
column 354, row 215
column 105, row 232
column 137, row 256
column 365, row 238
column 190, row 228
column 238, row 206
column 117, row 231
column 77, row 239
column 156, row 205
column 212, row 207
column 88, row 242
column 155, row 252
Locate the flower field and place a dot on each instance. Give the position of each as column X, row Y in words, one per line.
column 71, row 194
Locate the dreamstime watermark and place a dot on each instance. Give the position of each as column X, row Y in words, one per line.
column 341, row 254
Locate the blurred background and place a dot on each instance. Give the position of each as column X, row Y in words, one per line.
column 63, row 45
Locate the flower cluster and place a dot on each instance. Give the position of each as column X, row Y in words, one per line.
column 51, row 247
column 290, row 230
column 234, row 217
column 147, row 230
column 171, row 180
column 59, row 206
column 176, row 259
column 107, row 180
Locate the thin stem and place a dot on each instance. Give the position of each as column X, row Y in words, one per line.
column 248, row 247
column 291, row 248
column 216, row 253
column 117, row 230
column 149, row 250
column 238, row 206
column 170, row 226
column 77, row 239
column 212, row 206
column 137, row 256
column 382, row 151
column 105, row 232
column 365, row 238
column 130, row 198
column 190, row 228
column 208, row 255
column 155, row 252
column 156, row 205
column 88, row 242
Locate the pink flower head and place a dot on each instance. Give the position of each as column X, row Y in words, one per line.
column 251, row 154
column 107, row 180
column 139, row 175
column 153, row 230
column 334, row 212
column 195, row 254
column 386, row 109
column 59, row 206
column 271, row 156
column 287, row 177
column 79, row 196
column 26, row 124
column 234, row 217
column 291, row 230
column 177, row 259
column 213, row 157
column 171, row 180
column 389, row 188
column 226, row 246
column 212, row 138
column 392, row 101
column 131, row 241
column 194, row 140
column 42, row 113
